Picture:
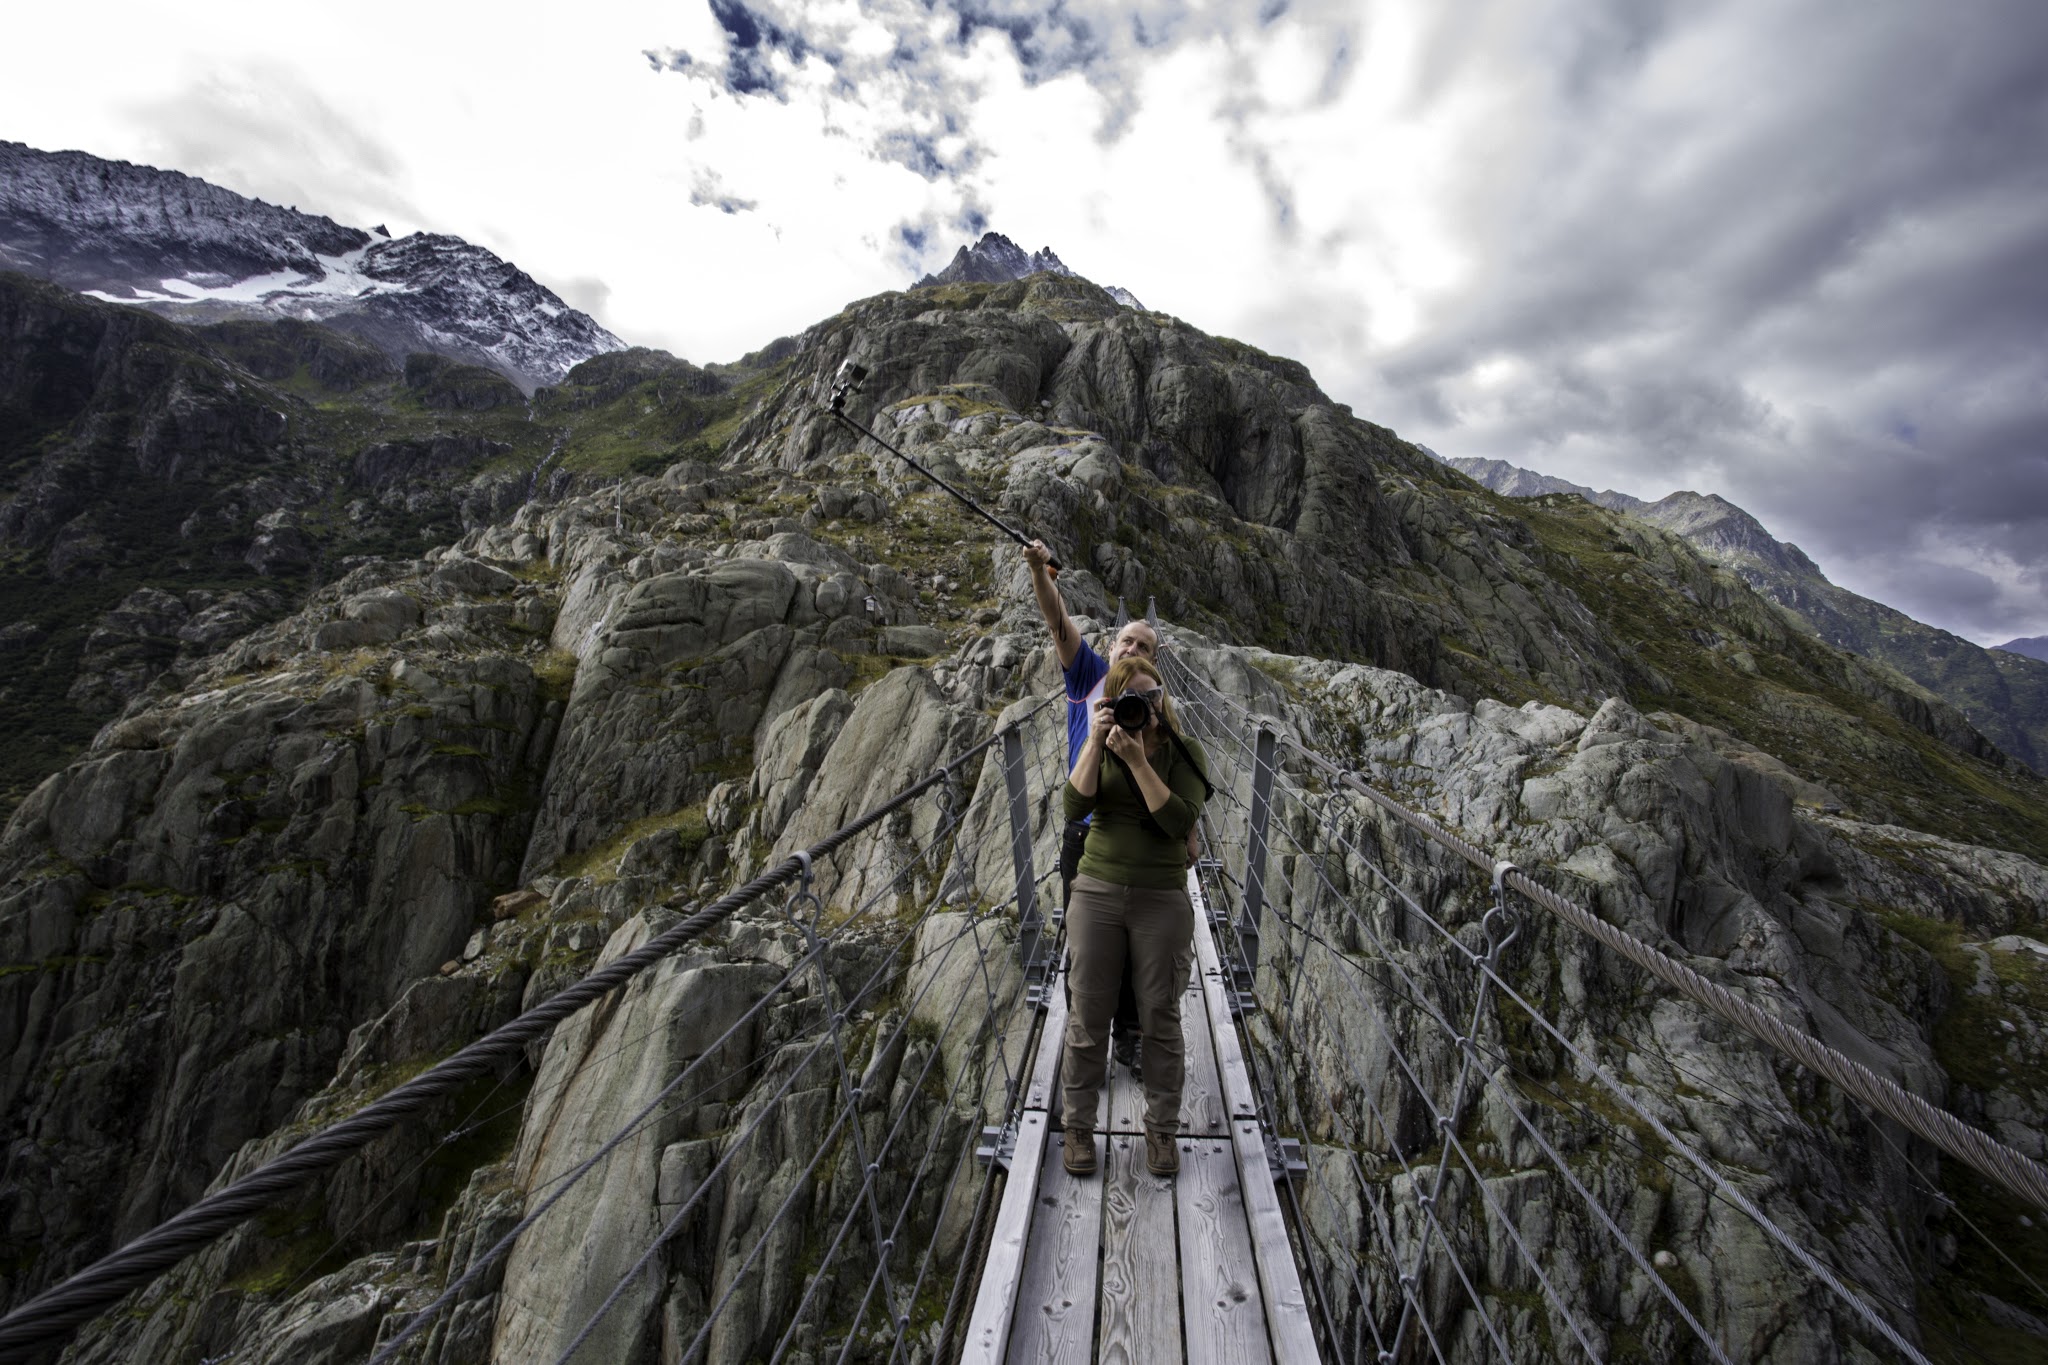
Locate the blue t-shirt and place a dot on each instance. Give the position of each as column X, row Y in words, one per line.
column 1084, row 684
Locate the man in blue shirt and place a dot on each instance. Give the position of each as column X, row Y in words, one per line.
column 1085, row 670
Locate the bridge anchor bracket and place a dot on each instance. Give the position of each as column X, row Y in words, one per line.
column 1283, row 1155
column 998, row 1145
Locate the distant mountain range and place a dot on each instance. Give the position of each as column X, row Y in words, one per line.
column 2003, row 691
column 198, row 253
column 995, row 259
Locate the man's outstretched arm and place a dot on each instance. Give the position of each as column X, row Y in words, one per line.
column 1066, row 641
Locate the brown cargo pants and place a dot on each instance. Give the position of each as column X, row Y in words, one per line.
column 1155, row 930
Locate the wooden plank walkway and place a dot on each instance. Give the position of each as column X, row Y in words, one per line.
column 1128, row 1268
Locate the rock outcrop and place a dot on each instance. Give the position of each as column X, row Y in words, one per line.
column 312, row 858
column 2001, row 691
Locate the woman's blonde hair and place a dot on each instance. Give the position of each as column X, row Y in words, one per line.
column 1120, row 678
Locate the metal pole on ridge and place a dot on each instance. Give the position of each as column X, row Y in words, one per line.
column 1252, row 911
column 1031, row 943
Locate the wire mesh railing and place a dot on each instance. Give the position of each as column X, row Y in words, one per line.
column 1397, row 1004
column 1450, row 1128
column 877, row 1086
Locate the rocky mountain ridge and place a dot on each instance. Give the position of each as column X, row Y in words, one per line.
column 197, row 253
column 164, row 488
column 320, row 849
column 2004, row 691
column 2033, row 646
column 995, row 259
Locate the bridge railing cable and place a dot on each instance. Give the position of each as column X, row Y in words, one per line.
column 828, row 1035
column 55, row 1313
column 1467, row 1043
column 871, row 1166
column 1428, row 1178
column 1710, row 1182
column 2015, row 1170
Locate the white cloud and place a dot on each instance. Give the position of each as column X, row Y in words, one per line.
column 1740, row 245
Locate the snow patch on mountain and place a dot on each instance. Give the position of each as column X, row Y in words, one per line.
column 198, row 253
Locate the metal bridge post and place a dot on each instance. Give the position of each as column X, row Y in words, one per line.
column 1031, row 944
column 1264, row 747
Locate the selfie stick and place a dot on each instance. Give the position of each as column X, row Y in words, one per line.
column 848, row 382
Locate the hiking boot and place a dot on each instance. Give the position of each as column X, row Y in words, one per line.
column 1162, row 1154
column 1129, row 1050
column 1079, row 1157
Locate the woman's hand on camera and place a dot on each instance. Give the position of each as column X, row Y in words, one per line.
column 1128, row 746
column 1101, row 722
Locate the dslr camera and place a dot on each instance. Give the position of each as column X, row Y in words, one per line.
column 1132, row 711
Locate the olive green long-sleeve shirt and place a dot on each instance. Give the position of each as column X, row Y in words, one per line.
column 1120, row 849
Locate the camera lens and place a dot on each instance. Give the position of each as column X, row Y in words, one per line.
column 1131, row 711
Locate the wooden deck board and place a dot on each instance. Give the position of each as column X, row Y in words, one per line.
column 1141, row 1317
column 1289, row 1328
column 1201, row 1096
column 1128, row 1268
column 1056, row 1294
column 995, row 1304
column 1126, row 1101
column 1225, row 1318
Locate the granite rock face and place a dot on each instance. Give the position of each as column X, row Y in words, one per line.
column 325, row 850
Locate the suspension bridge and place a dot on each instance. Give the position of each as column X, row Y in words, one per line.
column 1381, row 1136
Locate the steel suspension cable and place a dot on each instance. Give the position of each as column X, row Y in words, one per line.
column 1427, row 1204
column 2016, row 1171
column 885, row 1243
column 950, row 823
column 1730, row 1194
column 57, row 1311
column 1467, row 1045
column 1777, row 1234
column 1437, row 833
column 480, row 1264
column 848, row 1107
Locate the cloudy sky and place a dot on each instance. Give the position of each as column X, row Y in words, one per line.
column 1788, row 251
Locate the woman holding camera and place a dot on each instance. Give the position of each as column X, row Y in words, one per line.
column 1144, row 784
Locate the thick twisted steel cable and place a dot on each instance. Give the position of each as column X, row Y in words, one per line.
column 504, row 1244
column 1935, row 1192
column 1734, row 1196
column 1469, row 1041
column 1580, row 919
column 847, row 1108
column 1408, row 1283
column 886, row 1242
column 954, row 819
column 1470, row 1048
column 1702, row 1176
column 797, row 1188
column 2013, row 1169
column 57, row 1311
column 1557, row 1159
column 1729, row 1193
column 1411, row 1310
